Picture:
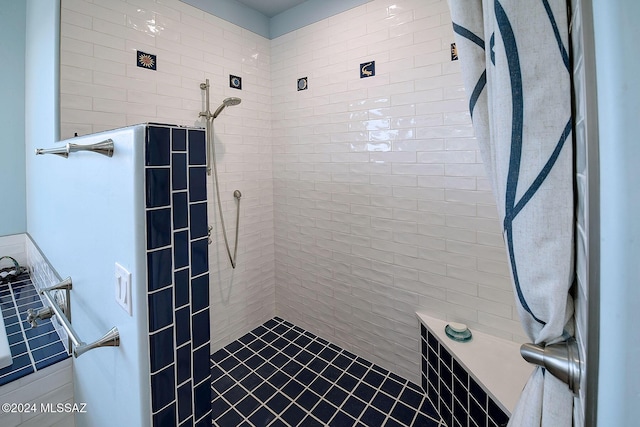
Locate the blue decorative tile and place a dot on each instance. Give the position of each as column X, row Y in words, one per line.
column 181, row 287
column 160, row 309
column 197, row 184
column 200, row 293
column 278, row 402
column 411, row 398
column 183, row 325
column 202, row 400
column 199, row 224
column 181, row 249
column 185, row 401
column 197, row 148
column 235, row 82
column 157, row 147
column 200, row 328
column 368, row 69
column 163, row 389
column 308, row 399
column 199, row 257
column 324, row 411
column 239, row 372
column 166, row 417
column 218, row 407
column 179, row 171
column 159, row 268
column 183, row 363
column 158, row 187
column 373, row 378
column 179, row 139
column 180, row 211
column 158, row 228
column 230, row 418
column 161, row 349
column 364, row 392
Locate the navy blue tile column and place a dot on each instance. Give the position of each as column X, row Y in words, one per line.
column 178, row 276
column 458, row 397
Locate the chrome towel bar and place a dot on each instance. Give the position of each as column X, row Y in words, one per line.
column 562, row 360
column 105, row 148
column 110, row 339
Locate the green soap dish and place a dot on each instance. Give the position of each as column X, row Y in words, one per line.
column 458, row 332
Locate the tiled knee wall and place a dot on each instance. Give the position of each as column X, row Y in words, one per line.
column 457, row 396
column 177, row 276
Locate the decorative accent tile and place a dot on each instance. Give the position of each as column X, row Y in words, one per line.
column 303, row 84
column 235, row 82
column 367, row 69
column 146, row 60
column 454, row 52
column 177, row 269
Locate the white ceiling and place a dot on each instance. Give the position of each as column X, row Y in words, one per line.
column 271, row 8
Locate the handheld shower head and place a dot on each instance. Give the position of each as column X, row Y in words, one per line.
column 226, row 103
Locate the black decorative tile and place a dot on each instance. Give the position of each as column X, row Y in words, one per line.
column 166, row 417
column 146, row 60
column 201, row 364
column 367, row 69
column 303, row 83
column 183, row 325
column 235, row 82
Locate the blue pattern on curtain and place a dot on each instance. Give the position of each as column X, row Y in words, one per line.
column 516, row 106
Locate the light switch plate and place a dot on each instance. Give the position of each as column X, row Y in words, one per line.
column 123, row 288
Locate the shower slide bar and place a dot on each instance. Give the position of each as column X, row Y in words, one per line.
column 110, row 339
column 105, row 148
column 562, row 360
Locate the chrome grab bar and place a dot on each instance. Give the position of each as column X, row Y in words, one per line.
column 562, row 360
column 105, row 148
column 110, row 339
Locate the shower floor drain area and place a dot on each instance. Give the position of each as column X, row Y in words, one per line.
column 281, row 375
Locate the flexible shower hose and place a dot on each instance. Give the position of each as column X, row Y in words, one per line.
column 236, row 195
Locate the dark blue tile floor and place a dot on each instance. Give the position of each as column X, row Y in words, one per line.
column 281, row 375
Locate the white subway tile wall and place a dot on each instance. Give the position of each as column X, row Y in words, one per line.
column 102, row 88
column 382, row 206
column 364, row 200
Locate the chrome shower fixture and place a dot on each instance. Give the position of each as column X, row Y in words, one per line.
column 226, row 103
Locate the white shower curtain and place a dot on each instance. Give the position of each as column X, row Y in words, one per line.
column 515, row 64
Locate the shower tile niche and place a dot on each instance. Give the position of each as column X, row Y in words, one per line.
column 177, row 275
